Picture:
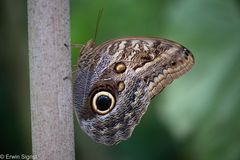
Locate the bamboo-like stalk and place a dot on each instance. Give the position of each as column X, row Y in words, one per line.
column 50, row 90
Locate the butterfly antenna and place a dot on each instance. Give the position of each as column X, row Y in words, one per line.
column 97, row 25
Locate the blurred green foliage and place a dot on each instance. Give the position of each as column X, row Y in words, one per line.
column 195, row 118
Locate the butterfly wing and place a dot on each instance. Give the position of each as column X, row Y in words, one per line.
column 113, row 89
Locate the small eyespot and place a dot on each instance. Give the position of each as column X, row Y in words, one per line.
column 186, row 53
column 145, row 79
column 121, row 86
column 120, row 67
column 173, row 63
column 103, row 102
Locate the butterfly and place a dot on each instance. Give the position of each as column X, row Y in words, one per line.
column 115, row 82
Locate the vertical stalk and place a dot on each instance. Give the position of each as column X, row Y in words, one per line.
column 50, row 90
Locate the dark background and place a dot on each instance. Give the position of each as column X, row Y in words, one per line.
column 196, row 118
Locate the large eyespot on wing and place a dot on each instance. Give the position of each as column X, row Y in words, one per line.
column 102, row 102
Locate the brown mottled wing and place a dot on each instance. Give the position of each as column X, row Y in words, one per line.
column 132, row 70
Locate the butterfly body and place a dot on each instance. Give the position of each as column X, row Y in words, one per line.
column 116, row 80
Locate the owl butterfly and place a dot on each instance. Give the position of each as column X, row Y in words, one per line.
column 116, row 80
